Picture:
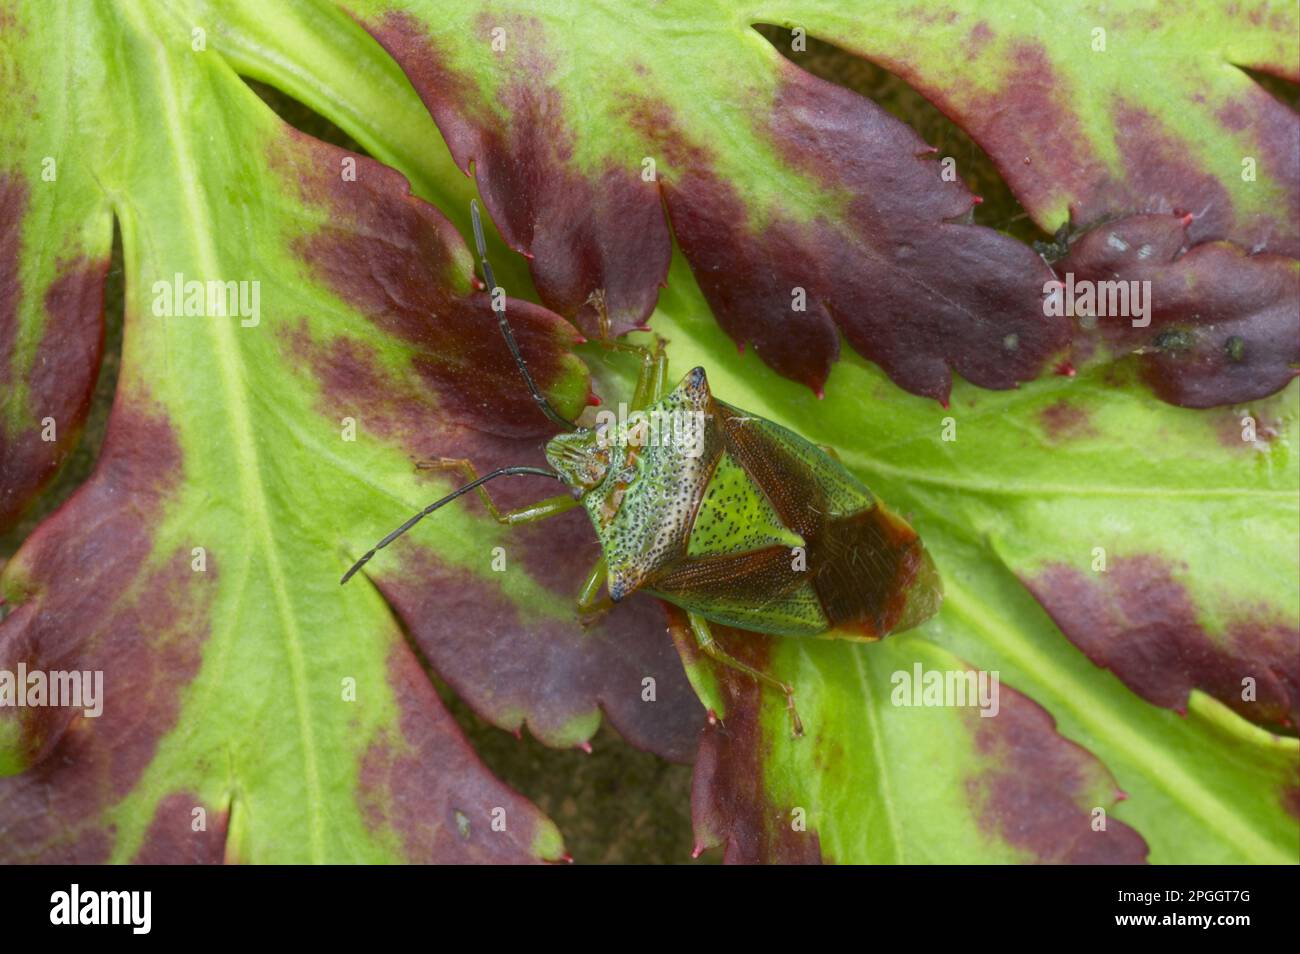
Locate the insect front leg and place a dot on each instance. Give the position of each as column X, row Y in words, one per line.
column 704, row 637
column 603, row 325
column 592, row 605
column 526, row 514
column 652, row 382
column 652, row 379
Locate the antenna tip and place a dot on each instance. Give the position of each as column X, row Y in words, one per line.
column 352, row 570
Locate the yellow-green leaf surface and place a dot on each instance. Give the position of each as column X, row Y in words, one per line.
column 1127, row 568
column 297, row 328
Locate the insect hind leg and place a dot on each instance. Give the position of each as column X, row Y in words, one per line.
column 709, row 646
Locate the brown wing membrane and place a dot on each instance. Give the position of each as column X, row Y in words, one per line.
column 866, row 569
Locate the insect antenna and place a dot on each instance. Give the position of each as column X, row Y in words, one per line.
column 501, row 472
column 506, row 331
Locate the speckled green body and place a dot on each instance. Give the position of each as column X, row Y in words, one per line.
column 743, row 522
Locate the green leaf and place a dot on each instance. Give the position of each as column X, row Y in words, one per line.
column 1035, row 479
column 801, row 206
column 1093, row 110
column 229, row 438
column 796, row 202
column 258, row 443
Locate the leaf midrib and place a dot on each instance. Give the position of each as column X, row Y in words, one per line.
column 882, row 760
column 1117, row 735
column 249, row 467
column 909, row 475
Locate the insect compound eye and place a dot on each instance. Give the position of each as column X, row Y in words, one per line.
column 594, row 467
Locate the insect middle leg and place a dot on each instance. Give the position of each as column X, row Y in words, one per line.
column 530, row 513
column 704, row 638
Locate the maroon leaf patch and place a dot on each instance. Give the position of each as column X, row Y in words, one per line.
column 1221, row 326
column 1139, row 622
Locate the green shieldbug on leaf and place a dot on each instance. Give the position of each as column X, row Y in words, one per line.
column 732, row 517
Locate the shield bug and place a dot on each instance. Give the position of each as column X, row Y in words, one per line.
column 732, row 517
